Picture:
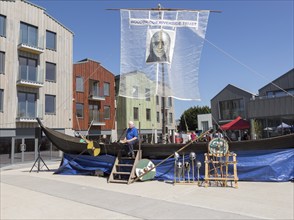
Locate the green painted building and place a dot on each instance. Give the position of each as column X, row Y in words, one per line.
column 145, row 110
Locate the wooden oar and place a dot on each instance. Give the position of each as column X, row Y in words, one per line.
column 206, row 132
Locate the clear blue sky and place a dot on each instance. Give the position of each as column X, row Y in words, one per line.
column 259, row 34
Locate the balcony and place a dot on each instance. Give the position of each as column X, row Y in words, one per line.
column 271, row 107
column 35, row 47
column 96, row 94
column 96, row 118
column 30, row 112
column 30, row 76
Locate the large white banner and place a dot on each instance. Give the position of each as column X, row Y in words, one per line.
column 160, row 53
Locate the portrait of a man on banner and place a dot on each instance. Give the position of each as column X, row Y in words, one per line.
column 159, row 46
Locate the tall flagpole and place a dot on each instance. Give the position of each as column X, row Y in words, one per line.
column 163, row 107
column 163, row 90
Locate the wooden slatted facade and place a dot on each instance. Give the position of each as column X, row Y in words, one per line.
column 16, row 14
column 92, row 71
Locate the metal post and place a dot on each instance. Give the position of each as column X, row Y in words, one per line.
column 36, row 147
column 140, row 155
column 22, row 148
column 163, row 106
column 12, row 150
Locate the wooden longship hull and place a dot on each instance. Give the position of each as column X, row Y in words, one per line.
column 74, row 145
column 164, row 150
column 65, row 143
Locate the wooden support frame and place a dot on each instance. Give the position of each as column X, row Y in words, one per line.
column 217, row 169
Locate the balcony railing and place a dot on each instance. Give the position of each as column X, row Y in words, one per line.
column 96, row 118
column 30, row 76
column 96, row 94
column 25, row 115
column 271, row 97
column 31, row 46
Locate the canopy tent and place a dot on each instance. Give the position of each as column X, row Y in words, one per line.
column 237, row 124
column 283, row 125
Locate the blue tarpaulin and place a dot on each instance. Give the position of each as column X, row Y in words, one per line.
column 259, row 165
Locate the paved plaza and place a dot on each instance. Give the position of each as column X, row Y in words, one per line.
column 43, row 195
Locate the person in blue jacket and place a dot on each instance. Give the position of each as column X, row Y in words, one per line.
column 131, row 138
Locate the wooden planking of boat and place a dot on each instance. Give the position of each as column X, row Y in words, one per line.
column 80, row 145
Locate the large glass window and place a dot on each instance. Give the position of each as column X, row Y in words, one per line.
column 26, row 105
column 169, row 102
column 231, row 109
column 80, row 110
column 28, row 69
column 50, row 71
column 136, row 113
column 2, row 25
column 94, row 88
column 79, row 84
column 50, row 40
column 135, row 91
column 28, row 34
column 50, row 104
column 106, row 112
column 147, row 94
column 1, row 99
column 280, row 93
column 2, row 62
column 94, row 113
column 170, row 117
column 157, row 100
column 148, row 114
column 106, row 89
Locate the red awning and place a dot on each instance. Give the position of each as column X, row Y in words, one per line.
column 237, row 124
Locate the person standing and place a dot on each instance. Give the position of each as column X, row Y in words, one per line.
column 131, row 138
column 193, row 136
column 218, row 134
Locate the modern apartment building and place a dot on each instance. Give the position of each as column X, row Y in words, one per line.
column 273, row 105
column 148, row 111
column 228, row 104
column 36, row 53
column 93, row 100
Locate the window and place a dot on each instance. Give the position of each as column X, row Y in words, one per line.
column 169, row 102
column 28, row 34
column 26, row 105
column 94, row 88
column 50, row 40
column 148, row 114
column 50, row 71
column 157, row 100
column 50, row 104
column 163, row 101
column 136, row 113
column 2, row 62
column 170, row 118
column 231, row 109
column 94, row 113
column 147, row 94
column 106, row 89
column 135, row 92
column 204, row 125
column 28, row 69
column 2, row 25
column 157, row 117
column 1, row 99
column 80, row 110
column 106, row 112
column 79, row 84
